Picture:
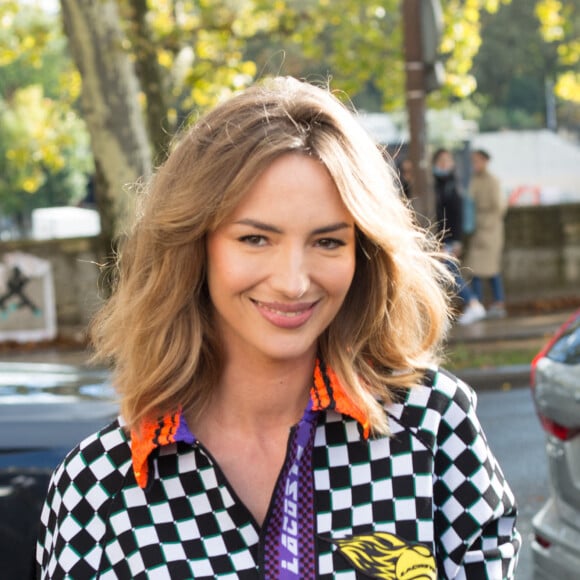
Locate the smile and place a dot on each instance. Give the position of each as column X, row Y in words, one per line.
column 285, row 315
column 289, row 313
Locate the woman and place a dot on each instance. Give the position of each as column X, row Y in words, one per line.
column 484, row 257
column 449, row 210
column 275, row 331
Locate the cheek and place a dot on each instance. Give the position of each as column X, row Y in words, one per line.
column 349, row 274
column 340, row 276
column 228, row 271
column 225, row 277
column 219, row 265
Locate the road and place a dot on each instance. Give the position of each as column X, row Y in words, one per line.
column 514, row 433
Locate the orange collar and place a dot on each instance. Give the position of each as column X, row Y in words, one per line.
column 327, row 393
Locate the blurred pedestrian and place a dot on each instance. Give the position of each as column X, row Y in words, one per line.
column 405, row 169
column 449, row 216
column 484, row 256
column 275, row 333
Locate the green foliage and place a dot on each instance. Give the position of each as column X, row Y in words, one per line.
column 460, row 43
column 498, row 118
column 462, row 356
column 200, row 49
column 44, row 151
column 207, row 49
column 360, row 47
column 560, row 24
column 511, row 91
column 360, row 44
column 24, row 32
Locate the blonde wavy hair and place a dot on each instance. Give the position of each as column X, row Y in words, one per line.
column 156, row 329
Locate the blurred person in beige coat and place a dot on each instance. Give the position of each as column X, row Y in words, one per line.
column 484, row 255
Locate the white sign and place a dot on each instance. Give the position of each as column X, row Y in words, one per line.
column 27, row 304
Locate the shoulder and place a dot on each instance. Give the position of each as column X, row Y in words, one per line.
column 438, row 391
column 490, row 179
column 102, row 458
column 477, row 181
column 429, row 409
column 75, row 512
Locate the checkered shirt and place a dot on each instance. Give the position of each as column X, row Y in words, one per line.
column 430, row 497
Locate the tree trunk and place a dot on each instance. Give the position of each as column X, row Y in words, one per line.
column 150, row 77
column 111, row 107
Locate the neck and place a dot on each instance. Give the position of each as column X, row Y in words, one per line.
column 252, row 397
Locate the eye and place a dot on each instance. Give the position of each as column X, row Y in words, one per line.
column 253, row 240
column 330, row 243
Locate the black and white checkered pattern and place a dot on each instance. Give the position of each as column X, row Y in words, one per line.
column 434, row 482
column 186, row 525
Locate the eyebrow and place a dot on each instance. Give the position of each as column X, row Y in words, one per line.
column 269, row 228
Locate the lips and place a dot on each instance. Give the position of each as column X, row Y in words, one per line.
column 285, row 315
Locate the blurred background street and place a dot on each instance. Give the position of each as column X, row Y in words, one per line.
column 92, row 93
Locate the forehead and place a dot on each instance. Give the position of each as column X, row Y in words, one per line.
column 293, row 184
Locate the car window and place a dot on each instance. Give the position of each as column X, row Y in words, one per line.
column 566, row 349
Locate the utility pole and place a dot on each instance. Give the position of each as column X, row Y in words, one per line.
column 551, row 119
column 420, row 38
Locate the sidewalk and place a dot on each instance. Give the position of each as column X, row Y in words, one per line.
column 511, row 328
column 67, row 349
column 507, row 330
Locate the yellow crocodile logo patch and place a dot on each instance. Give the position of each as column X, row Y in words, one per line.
column 383, row 555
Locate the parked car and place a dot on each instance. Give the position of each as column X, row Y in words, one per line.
column 555, row 385
column 45, row 409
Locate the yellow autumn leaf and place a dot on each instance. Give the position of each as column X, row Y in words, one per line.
column 549, row 13
column 568, row 87
column 31, row 184
column 164, row 58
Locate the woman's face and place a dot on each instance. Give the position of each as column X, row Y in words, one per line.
column 478, row 163
column 281, row 265
column 445, row 161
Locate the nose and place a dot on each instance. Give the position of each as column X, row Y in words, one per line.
column 290, row 273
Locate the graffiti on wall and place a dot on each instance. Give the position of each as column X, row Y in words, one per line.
column 27, row 304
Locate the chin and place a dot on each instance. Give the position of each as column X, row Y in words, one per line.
column 285, row 353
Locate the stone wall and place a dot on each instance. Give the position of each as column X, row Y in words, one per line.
column 75, row 272
column 542, row 250
column 542, row 257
